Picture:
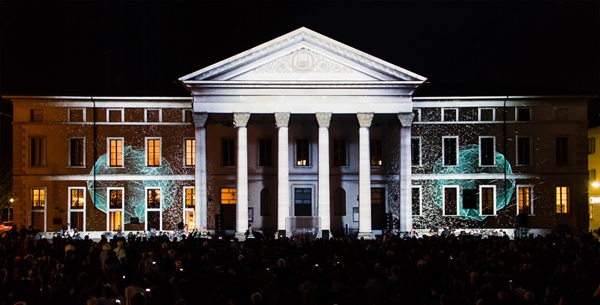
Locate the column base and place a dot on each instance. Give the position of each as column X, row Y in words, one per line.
column 365, row 236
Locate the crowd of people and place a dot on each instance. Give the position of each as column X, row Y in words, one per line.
column 557, row 268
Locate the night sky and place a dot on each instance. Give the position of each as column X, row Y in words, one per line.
column 141, row 48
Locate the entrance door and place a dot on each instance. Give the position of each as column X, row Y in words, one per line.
column 228, row 207
column 378, row 208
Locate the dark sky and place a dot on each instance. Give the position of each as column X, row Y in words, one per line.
column 141, row 48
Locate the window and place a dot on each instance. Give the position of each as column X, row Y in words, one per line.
column 339, row 152
column 190, row 152
column 376, row 152
column 302, row 152
column 562, row 151
column 562, row 199
column 153, row 209
column 523, row 114
column 450, row 150
column 115, row 115
column 189, row 206
column 76, row 115
column 561, row 114
column 487, row 199
column 115, row 152
column 591, row 145
column 228, row 196
column 265, row 202
column 37, row 150
column 339, row 202
column 227, row 152
column 525, row 200
column 523, row 150
column 153, row 115
column 265, row 152
column 469, row 199
column 77, row 208
column 450, row 114
column 417, row 209
column 302, row 201
column 417, row 117
column 115, row 199
column 76, row 151
column 415, row 151
column 487, row 114
column 38, row 208
column 38, row 115
column 487, row 151
column 187, row 116
column 152, row 152
column 450, row 200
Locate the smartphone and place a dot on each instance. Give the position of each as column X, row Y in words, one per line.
column 117, row 301
column 147, row 289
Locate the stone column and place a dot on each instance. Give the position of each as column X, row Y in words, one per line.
column 200, row 189
column 324, row 197
column 405, row 212
column 282, row 120
column 364, row 177
column 240, row 120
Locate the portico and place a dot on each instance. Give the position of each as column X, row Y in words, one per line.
column 313, row 90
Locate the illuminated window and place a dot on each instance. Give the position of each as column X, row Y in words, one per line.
column 525, row 200
column 339, row 152
column 487, row 151
column 190, row 152
column 450, row 150
column 376, row 150
column 189, row 209
column 114, row 115
column 227, row 152
column 562, row 150
column 77, row 208
column 591, row 145
column 415, row 151
column 487, row 199
column 450, row 114
column 76, row 151
column 115, row 209
column 228, row 196
column 450, row 200
column 115, row 152
column 190, row 197
column 37, row 150
column 38, row 198
column 523, row 114
column 265, row 202
column 76, row 115
column 302, row 152
column 523, row 150
column 152, row 152
column 265, row 152
column 115, row 198
column 417, row 209
column 487, row 114
column 153, row 209
column 339, row 202
column 153, row 115
column 302, row 201
column 38, row 115
column 562, row 199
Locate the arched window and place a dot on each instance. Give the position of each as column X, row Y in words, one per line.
column 265, row 204
column 339, row 202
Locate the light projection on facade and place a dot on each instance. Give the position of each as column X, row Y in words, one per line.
column 134, row 198
column 468, row 163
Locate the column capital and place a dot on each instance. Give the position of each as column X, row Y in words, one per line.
column 406, row 119
column 364, row 119
column 240, row 119
column 323, row 118
column 200, row 119
column 282, row 119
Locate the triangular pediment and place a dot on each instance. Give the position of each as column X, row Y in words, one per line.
column 303, row 56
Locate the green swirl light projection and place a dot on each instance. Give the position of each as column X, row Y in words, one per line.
column 468, row 163
column 134, row 196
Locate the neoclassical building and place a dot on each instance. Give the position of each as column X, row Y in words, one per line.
column 300, row 135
